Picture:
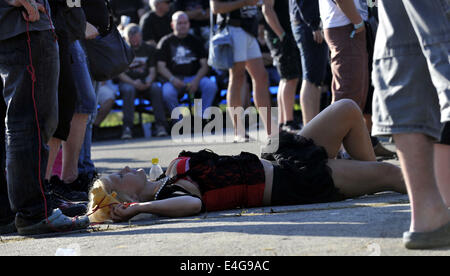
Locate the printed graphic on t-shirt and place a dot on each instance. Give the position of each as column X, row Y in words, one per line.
column 249, row 12
column 139, row 65
column 182, row 55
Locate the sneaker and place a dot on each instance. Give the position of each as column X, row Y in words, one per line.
column 70, row 209
column 383, row 153
column 57, row 222
column 63, row 191
column 126, row 134
column 160, row 131
column 291, row 127
column 269, row 149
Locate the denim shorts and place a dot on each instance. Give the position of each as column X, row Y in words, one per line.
column 86, row 97
column 411, row 69
column 314, row 57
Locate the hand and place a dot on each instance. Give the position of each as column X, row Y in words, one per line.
column 360, row 30
column 178, row 83
column 318, row 37
column 124, row 212
column 32, row 9
column 193, row 87
column 139, row 85
column 91, row 31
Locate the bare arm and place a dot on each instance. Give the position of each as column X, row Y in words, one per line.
column 182, row 206
column 165, row 72
column 272, row 18
column 225, row 7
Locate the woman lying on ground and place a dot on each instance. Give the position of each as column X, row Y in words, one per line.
column 305, row 171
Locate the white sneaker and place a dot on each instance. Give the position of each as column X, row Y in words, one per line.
column 161, row 131
column 126, row 134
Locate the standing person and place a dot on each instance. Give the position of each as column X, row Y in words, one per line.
column 412, row 97
column 345, row 34
column 182, row 60
column 305, row 19
column 280, row 40
column 29, row 67
column 241, row 18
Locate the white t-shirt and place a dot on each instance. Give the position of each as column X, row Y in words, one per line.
column 332, row 16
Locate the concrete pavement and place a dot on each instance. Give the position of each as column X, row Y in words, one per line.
column 368, row 226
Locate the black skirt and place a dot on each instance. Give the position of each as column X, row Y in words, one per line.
column 301, row 174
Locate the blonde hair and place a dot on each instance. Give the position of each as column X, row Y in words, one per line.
column 101, row 199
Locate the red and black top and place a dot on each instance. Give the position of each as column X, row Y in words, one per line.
column 225, row 182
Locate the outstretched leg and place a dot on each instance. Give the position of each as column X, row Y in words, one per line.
column 341, row 123
column 357, row 178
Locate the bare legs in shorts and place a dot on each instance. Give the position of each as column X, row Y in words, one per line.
column 343, row 123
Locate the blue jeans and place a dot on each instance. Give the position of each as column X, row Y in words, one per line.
column 153, row 94
column 22, row 140
column 207, row 87
column 86, row 97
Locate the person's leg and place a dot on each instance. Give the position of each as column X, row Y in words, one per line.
column 281, row 105
column 155, row 95
column 310, row 101
column 416, row 157
column 54, row 146
column 235, row 84
column 288, row 94
column 208, row 89
column 357, row 178
column 103, row 111
column 261, row 95
column 170, row 96
column 128, row 93
column 442, row 171
column 72, row 147
column 85, row 106
column 341, row 123
column 25, row 164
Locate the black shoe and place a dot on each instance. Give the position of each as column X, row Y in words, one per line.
column 268, row 150
column 63, row 191
column 84, row 182
column 291, row 127
column 68, row 208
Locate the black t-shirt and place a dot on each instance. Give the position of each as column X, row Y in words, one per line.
column 182, row 55
column 155, row 27
column 247, row 16
column 189, row 5
column 97, row 14
column 282, row 10
column 128, row 8
column 144, row 60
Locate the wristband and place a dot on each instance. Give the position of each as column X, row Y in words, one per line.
column 358, row 26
